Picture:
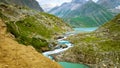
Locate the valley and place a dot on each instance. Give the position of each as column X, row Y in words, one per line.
column 75, row 34
column 60, row 48
column 99, row 48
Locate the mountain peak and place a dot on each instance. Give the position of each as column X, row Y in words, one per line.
column 78, row 1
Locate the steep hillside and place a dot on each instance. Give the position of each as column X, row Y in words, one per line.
column 33, row 4
column 99, row 49
column 14, row 55
column 83, row 14
column 30, row 27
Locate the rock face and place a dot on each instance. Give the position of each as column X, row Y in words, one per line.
column 33, row 4
column 14, row 55
column 99, row 49
column 82, row 13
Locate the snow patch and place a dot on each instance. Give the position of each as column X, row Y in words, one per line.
column 118, row 7
column 75, row 7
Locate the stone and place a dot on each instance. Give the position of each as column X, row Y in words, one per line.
column 63, row 46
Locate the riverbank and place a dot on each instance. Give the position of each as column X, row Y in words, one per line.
column 62, row 41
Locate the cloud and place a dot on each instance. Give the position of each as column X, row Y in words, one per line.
column 54, row 2
column 48, row 4
column 95, row 0
column 118, row 7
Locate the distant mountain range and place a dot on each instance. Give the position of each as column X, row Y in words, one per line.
column 79, row 13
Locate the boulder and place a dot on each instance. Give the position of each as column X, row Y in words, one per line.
column 63, row 46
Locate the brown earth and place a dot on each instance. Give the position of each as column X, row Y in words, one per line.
column 15, row 55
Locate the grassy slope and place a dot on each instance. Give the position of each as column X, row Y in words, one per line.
column 15, row 55
column 90, row 20
column 100, row 48
column 30, row 27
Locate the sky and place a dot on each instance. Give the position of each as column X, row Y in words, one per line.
column 48, row 4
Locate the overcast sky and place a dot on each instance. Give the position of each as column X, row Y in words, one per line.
column 46, row 4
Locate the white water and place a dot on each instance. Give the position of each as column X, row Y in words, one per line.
column 60, row 41
column 69, row 45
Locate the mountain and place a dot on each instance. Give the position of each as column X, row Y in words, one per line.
column 33, row 4
column 15, row 55
column 68, row 8
column 30, row 27
column 82, row 13
column 99, row 49
column 78, row 1
column 109, row 3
